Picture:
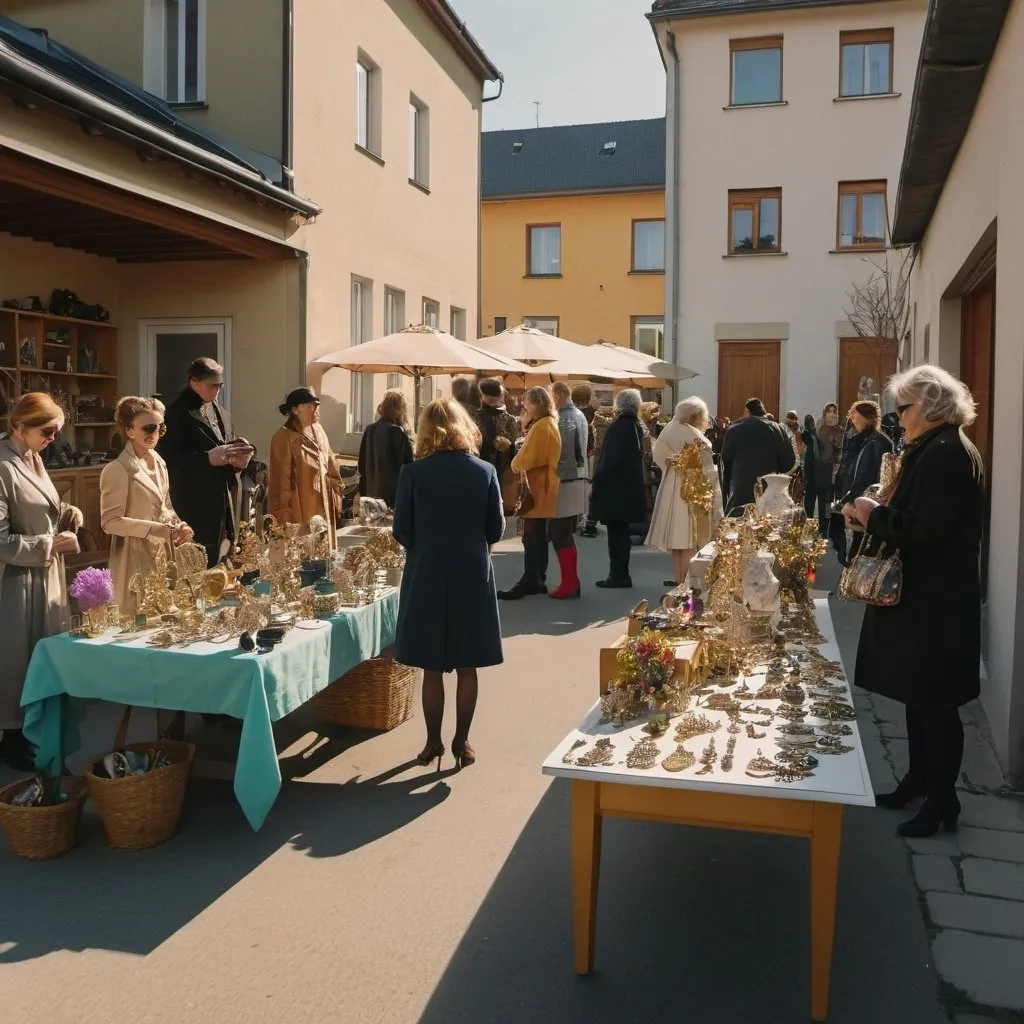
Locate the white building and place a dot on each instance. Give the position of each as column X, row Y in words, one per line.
column 785, row 128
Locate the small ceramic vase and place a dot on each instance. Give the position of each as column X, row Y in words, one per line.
column 775, row 501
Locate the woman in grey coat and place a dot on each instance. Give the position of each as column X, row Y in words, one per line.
column 33, row 541
column 572, row 494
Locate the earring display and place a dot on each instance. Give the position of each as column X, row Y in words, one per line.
column 679, row 760
column 708, row 758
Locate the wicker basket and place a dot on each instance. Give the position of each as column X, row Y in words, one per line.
column 378, row 694
column 42, row 833
column 142, row 810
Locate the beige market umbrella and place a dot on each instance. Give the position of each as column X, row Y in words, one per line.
column 591, row 368
column 420, row 351
column 528, row 345
column 627, row 359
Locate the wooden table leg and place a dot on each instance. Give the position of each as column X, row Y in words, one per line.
column 586, row 866
column 825, row 843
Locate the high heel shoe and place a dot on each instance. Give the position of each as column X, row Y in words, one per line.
column 464, row 755
column 429, row 752
column 909, row 789
column 927, row 820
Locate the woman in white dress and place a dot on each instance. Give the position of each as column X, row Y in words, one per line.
column 689, row 503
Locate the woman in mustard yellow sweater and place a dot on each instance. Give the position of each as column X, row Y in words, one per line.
column 538, row 459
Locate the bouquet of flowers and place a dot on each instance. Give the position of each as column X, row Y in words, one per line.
column 647, row 663
column 92, row 588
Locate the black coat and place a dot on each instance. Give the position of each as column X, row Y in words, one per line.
column 447, row 516
column 927, row 649
column 384, row 449
column 752, row 448
column 617, row 492
column 863, row 466
column 203, row 495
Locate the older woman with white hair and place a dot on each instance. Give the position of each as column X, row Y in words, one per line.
column 689, row 503
column 924, row 651
column 617, row 493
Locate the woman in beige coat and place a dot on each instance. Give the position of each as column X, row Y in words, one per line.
column 135, row 499
column 36, row 531
column 689, row 503
column 304, row 476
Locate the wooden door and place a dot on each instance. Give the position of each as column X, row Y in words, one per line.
column 977, row 359
column 859, row 358
column 748, row 369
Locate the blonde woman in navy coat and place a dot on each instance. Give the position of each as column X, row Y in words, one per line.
column 448, row 513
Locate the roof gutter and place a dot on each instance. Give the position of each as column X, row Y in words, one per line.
column 443, row 15
column 749, row 7
column 24, row 75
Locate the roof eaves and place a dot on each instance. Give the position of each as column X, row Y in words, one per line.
column 689, row 9
column 20, row 75
column 614, row 190
column 454, row 28
column 960, row 39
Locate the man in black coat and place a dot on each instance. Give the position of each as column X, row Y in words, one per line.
column 617, row 494
column 204, row 458
column 753, row 447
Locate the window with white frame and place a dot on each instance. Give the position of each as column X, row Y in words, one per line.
column 360, row 329
column 368, row 105
column 648, row 246
column 457, row 323
column 649, row 336
column 174, row 64
column 419, row 142
column 394, row 321
column 431, row 312
column 547, row 324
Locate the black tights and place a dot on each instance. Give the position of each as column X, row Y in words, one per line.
column 465, row 705
column 535, row 551
column 935, row 738
column 561, row 532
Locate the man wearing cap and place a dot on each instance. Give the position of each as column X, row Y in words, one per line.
column 204, row 458
column 304, row 476
column 498, row 427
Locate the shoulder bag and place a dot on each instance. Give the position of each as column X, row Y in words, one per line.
column 873, row 579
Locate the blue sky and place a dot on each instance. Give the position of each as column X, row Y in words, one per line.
column 584, row 60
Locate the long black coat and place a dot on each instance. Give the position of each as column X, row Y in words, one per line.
column 384, row 449
column 201, row 494
column 617, row 492
column 863, row 463
column 927, row 649
column 752, row 448
column 447, row 515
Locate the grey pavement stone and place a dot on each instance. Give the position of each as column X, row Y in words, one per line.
column 934, row 872
column 892, row 730
column 992, row 812
column 978, row 914
column 986, row 968
column 990, row 843
column 899, row 756
column 942, row 844
column 994, row 878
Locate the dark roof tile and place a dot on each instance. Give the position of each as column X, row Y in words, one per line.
column 574, row 158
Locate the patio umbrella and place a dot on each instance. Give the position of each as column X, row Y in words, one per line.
column 529, row 345
column 420, row 351
column 591, row 368
column 619, row 358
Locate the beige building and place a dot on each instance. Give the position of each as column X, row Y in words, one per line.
column 785, row 125
column 960, row 201
column 373, row 111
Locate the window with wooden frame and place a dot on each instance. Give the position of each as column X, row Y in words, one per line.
column 755, row 71
column 755, row 220
column 865, row 63
column 543, row 250
column 862, row 218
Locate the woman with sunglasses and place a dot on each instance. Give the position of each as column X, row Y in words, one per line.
column 135, row 499
column 304, row 476
column 35, row 534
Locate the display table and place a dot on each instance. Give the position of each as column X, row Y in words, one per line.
column 811, row 808
column 206, row 678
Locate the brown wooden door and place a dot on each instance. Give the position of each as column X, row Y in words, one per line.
column 859, row 358
column 748, row 369
column 977, row 358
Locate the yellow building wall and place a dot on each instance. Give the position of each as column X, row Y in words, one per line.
column 597, row 296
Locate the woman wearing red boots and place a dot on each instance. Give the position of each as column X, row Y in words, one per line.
column 572, row 503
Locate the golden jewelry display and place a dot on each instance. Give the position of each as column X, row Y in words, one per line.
column 568, row 756
column 644, row 755
column 708, row 758
column 679, row 760
column 602, row 753
column 693, row 725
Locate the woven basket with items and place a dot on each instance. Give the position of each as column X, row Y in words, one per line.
column 378, row 694
column 43, row 832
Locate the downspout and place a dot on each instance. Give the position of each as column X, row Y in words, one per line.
column 303, row 287
column 672, row 91
column 480, row 209
column 287, row 93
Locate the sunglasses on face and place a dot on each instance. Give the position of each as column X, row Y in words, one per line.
column 49, row 432
column 901, row 409
column 153, row 428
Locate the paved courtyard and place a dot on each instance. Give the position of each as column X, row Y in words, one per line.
column 378, row 891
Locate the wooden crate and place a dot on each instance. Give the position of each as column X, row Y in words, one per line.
column 689, row 655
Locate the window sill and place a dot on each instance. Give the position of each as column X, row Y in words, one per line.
column 369, row 153
column 869, row 96
column 541, row 277
column 756, row 106
column 748, row 255
column 416, row 184
column 647, row 273
column 856, row 248
column 188, row 105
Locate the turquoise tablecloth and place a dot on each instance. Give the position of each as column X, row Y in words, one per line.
column 207, row 678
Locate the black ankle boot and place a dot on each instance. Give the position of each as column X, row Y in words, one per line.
column 927, row 820
column 524, row 588
column 908, row 790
